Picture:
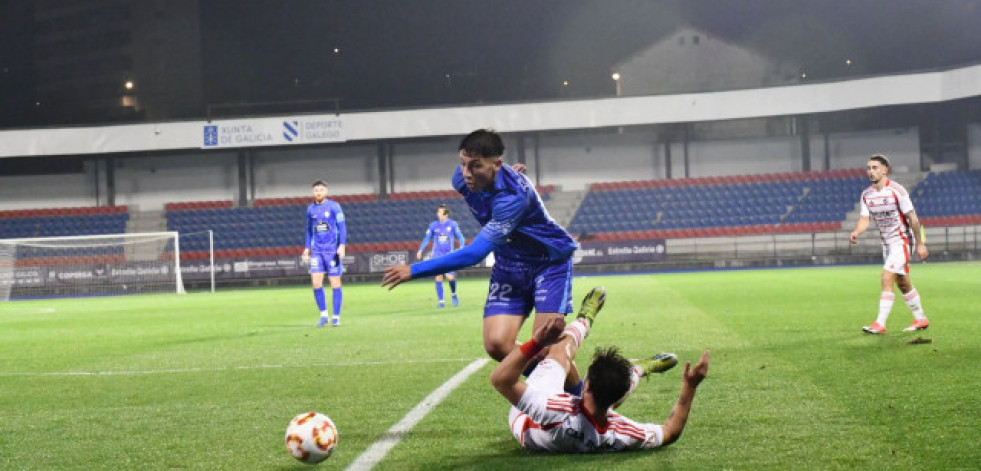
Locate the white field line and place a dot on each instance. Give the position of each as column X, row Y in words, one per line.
column 370, row 457
column 224, row 368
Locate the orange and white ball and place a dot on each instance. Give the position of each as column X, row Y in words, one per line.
column 311, row 437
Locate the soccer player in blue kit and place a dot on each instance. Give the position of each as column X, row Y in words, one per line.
column 533, row 254
column 325, row 240
column 444, row 232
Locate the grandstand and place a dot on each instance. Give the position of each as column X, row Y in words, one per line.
column 274, row 226
column 949, row 198
column 720, row 206
column 712, row 207
column 689, row 208
column 68, row 221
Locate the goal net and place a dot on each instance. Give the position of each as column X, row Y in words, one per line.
column 97, row 265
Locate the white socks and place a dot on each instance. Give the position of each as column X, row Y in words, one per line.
column 578, row 330
column 885, row 305
column 913, row 301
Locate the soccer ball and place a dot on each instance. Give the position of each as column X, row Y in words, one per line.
column 311, row 437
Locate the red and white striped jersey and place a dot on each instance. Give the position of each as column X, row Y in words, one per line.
column 559, row 423
column 888, row 208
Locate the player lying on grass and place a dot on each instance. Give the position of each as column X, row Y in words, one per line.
column 544, row 418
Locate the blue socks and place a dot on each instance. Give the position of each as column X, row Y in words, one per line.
column 337, row 298
column 318, row 294
column 453, row 286
column 439, row 290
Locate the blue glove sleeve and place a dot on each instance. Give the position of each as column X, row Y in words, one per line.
column 465, row 257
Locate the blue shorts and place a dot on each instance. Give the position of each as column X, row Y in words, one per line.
column 327, row 262
column 516, row 288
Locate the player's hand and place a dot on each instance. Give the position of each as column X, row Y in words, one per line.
column 549, row 332
column 853, row 238
column 305, row 256
column 922, row 252
column 396, row 275
column 419, row 255
column 693, row 376
column 341, row 250
column 520, row 168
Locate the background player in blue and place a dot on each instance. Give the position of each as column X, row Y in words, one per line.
column 443, row 231
column 533, row 266
column 326, row 237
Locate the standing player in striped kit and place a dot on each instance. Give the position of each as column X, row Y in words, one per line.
column 890, row 205
column 444, row 232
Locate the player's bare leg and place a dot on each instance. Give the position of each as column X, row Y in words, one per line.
column 500, row 334
column 564, row 351
column 317, row 280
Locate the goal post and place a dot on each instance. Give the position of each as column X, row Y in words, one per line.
column 197, row 252
column 92, row 265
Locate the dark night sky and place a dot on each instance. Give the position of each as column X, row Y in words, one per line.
column 398, row 53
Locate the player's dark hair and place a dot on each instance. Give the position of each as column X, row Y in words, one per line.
column 609, row 376
column 445, row 208
column 482, row 143
column 320, row 183
column 881, row 159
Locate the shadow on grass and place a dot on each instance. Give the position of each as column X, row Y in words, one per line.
column 513, row 457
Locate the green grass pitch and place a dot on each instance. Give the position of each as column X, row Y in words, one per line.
column 210, row 381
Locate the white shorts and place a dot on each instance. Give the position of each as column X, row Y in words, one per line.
column 548, row 379
column 896, row 257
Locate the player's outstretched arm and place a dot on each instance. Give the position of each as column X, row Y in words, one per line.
column 674, row 424
column 506, row 378
column 396, row 275
column 465, row 257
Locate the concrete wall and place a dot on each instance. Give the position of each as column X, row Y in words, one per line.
column 575, row 161
column 740, row 157
column 150, row 182
column 347, row 169
column 851, row 150
column 49, row 191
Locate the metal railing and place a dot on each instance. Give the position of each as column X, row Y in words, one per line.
column 819, row 244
